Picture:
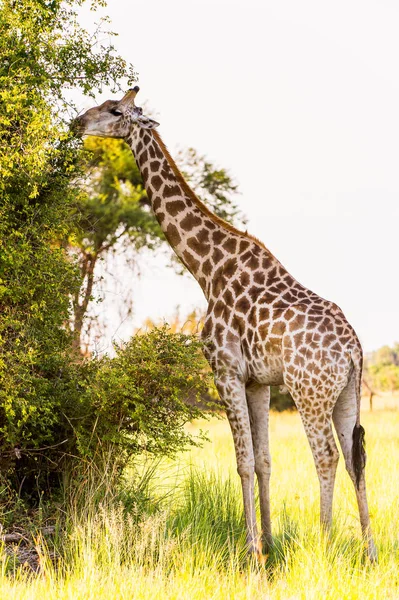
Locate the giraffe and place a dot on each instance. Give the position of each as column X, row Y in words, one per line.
column 262, row 328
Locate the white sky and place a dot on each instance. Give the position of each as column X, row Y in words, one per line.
column 300, row 101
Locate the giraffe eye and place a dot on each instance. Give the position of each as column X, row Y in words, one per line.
column 115, row 112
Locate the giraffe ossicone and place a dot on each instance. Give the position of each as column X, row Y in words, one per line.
column 262, row 328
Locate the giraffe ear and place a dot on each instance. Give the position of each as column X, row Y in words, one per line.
column 146, row 122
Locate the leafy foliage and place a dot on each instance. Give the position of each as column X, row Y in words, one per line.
column 36, row 160
column 111, row 212
column 124, row 405
column 115, row 203
column 141, row 393
column 382, row 368
column 192, row 324
column 53, row 405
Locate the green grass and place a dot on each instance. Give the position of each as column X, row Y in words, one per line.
column 189, row 543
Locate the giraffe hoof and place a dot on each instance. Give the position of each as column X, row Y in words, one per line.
column 262, row 558
column 255, row 553
column 267, row 543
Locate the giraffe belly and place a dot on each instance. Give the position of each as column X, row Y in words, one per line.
column 268, row 370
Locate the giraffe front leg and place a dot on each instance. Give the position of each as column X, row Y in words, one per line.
column 258, row 399
column 232, row 393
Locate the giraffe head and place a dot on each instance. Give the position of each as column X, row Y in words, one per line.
column 114, row 118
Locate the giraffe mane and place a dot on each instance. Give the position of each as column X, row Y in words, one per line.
column 203, row 208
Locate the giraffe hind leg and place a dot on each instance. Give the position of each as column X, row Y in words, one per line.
column 325, row 455
column 351, row 436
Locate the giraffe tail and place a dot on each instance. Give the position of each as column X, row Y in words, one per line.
column 358, row 442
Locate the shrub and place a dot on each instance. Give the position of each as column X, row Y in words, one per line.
column 132, row 402
column 140, row 394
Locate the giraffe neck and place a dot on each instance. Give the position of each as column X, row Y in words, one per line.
column 199, row 238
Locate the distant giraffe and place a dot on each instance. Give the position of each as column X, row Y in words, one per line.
column 262, row 328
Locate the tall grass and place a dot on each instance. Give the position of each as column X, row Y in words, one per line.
column 178, row 531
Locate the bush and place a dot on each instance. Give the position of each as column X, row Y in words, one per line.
column 125, row 405
column 141, row 393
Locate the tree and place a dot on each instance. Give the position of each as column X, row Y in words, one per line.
column 56, row 408
column 385, row 377
column 191, row 324
column 382, row 368
column 386, row 356
column 43, row 51
column 111, row 212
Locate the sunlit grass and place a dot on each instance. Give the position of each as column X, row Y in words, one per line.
column 190, row 541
